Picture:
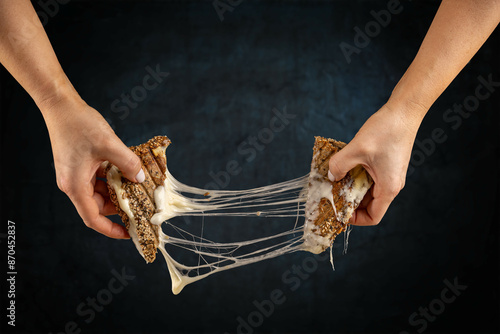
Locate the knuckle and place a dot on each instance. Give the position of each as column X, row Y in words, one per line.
column 89, row 224
column 64, row 184
column 365, row 150
column 103, row 142
column 393, row 189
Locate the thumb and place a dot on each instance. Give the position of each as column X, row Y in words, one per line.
column 341, row 163
column 126, row 161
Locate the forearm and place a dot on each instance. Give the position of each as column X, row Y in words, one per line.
column 27, row 54
column 458, row 30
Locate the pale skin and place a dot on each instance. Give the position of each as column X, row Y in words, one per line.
column 383, row 144
column 81, row 139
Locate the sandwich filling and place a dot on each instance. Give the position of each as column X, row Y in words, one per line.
column 326, row 207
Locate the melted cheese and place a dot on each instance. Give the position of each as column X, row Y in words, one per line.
column 319, row 187
column 356, row 189
column 294, row 198
column 115, row 180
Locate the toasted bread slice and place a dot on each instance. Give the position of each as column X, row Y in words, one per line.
column 135, row 202
column 323, row 220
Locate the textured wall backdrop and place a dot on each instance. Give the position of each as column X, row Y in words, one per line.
column 225, row 78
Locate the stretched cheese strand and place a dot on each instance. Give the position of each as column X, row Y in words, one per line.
column 285, row 199
column 298, row 198
column 279, row 200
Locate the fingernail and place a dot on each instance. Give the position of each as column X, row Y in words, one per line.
column 140, row 177
column 331, row 177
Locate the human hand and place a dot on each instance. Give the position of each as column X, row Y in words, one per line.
column 81, row 140
column 383, row 147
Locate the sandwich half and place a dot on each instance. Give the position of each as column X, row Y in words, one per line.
column 135, row 202
column 329, row 204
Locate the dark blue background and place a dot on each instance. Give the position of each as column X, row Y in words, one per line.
column 225, row 79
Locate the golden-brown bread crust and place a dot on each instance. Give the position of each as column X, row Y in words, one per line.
column 141, row 195
column 149, row 162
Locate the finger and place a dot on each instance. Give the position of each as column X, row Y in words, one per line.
column 106, row 207
column 105, row 226
column 126, row 160
column 101, row 188
column 367, row 199
column 88, row 209
column 342, row 162
column 362, row 206
column 373, row 213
